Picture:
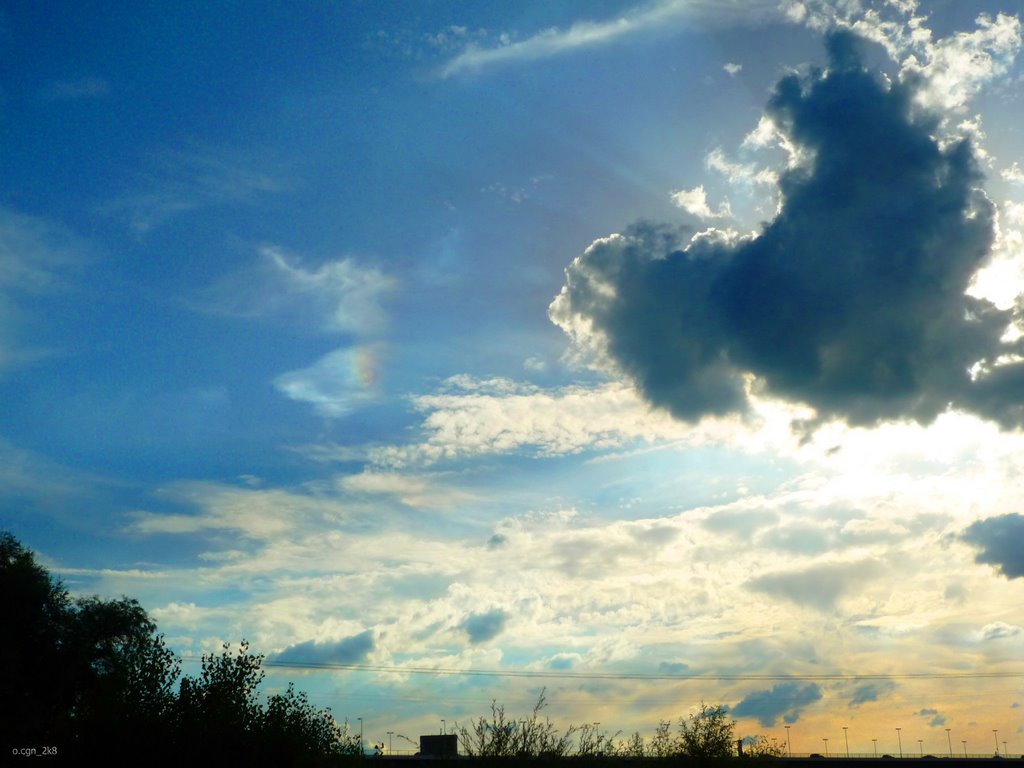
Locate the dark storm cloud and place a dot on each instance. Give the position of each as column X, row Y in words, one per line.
column 999, row 541
column 350, row 650
column 785, row 700
column 482, row 627
column 851, row 300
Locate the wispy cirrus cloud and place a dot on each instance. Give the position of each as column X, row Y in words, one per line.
column 176, row 182
column 87, row 87
column 422, row 491
column 591, row 34
column 337, row 296
column 254, row 514
column 35, row 259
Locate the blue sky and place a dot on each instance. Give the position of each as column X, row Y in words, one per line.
column 616, row 343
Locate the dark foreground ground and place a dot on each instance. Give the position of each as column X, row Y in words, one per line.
column 412, row 761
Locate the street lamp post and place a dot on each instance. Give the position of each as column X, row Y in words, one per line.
column 789, row 744
column 826, row 746
column 444, row 727
column 920, row 747
column 874, row 746
column 390, row 733
column 995, row 735
column 899, row 741
column 949, row 742
column 360, row 735
column 846, row 736
column 964, row 742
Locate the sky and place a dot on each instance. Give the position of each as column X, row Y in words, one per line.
column 642, row 353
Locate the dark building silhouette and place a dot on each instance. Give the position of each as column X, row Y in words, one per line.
column 439, row 746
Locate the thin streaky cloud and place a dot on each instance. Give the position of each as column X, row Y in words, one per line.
column 178, row 182
column 589, row 34
column 90, row 87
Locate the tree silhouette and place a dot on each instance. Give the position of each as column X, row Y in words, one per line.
column 33, row 688
column 93, row 678
column 295, row 729
column 707, row 734
column 221, row 716
column 220, row 710
column 124, row 676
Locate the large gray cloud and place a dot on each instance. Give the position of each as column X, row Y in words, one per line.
column 785, row 700
column 349, row 650
column 818, row 586
column 998, row 540
column 852, row 300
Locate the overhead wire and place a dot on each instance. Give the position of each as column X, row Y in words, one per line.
column 569, row 675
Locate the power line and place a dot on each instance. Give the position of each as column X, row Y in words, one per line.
column 564, row 675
